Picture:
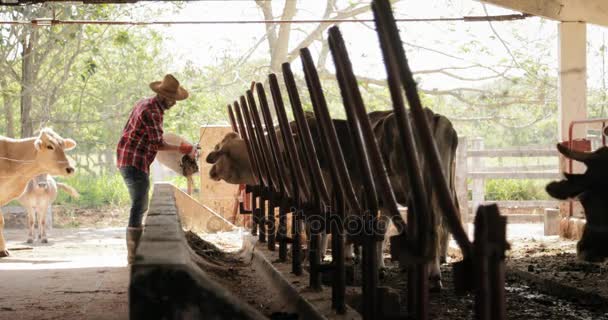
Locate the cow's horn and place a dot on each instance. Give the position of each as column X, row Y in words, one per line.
column 573, row 154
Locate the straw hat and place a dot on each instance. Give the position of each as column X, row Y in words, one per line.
column 169, row 87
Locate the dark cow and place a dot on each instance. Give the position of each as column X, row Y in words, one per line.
column 590, row 188
column 231, row 164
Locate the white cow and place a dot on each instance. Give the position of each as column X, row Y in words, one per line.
column 39, row 194
column 23, row 159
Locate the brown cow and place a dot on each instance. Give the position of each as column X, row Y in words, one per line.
column 232, row 148
column 39, row 194
column 23, row 159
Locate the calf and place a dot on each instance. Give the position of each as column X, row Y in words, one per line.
column 231, row 163
column 39, row 194
column 590, row 188
column 176, row 161
column 23, row 159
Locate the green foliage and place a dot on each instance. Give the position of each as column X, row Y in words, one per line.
column 95, row 191
column 510, row 189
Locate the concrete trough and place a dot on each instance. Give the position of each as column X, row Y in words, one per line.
column 167, row 282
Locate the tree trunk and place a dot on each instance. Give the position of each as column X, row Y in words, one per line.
column 279, row 54
column 27, row 83
column 8, row 110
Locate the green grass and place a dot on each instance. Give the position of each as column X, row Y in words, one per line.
column 95, row 191
column 512, row 189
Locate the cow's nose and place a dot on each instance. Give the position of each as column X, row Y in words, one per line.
column 69, row 170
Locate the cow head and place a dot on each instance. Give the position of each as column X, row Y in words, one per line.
column 590, row 189
column 50, row 152
column 230, row 161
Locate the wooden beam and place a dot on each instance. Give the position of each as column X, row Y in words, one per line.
column 590, row 11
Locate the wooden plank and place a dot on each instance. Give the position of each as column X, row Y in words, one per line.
column 524, row 168
column 514, row 175
column 494, row 153
column 525, row 203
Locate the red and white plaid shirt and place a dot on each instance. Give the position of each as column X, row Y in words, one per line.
column 141, row 136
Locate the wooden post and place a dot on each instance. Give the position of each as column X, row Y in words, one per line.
column 478, row 183
column 462, row 192
column 552, row 218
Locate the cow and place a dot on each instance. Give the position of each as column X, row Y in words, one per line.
column 23, row 159
column 176, row 161
column 39, row 194
column 590, row 188
column 231, row 164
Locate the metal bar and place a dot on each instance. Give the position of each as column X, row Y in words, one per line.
column 286, row 190
column 232, row 120
column 50, row 22
column 282, row 176
column 343, row 188
column 319, row 191
column 276, row 185
column 320, row 194
column 265, row 179
column 300, row 184
column 274, row 182
column 352, row 101
column 392, row 42
column 254, row 166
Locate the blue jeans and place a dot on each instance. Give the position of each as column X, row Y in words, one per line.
column 138, row 183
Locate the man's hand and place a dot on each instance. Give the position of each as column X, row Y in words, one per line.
column 186, row 148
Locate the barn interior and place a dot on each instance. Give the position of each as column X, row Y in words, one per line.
column 321, row 163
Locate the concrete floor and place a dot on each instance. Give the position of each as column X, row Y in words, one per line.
column 79, row 274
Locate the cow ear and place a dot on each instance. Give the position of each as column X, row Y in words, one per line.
column 69, row 144
column 37, row 144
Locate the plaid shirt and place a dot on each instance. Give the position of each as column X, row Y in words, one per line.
column 141, row 136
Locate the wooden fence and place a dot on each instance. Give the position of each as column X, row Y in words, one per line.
column 472, row 171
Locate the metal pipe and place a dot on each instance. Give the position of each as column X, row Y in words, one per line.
column 232, row 120
column 257, row 176
column 285, row 187
column 320, row 196
column 276, row 185
column 343, row 188
column 352, row 100
column 393, row 42
column 300, row 184
column 265, row 178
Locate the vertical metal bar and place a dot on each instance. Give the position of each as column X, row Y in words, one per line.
column 352, row 100
column 232, row 120
column 255, row 166
column 321, row 198
column 300, row 184
column 276, row 184
column 285, row 188
column 384, row 17
column 343, row 189
column 266, row 181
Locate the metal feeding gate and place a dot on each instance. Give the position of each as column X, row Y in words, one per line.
column 289, row 175
column 313, row 180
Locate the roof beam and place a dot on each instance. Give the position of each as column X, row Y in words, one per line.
column 590, row 11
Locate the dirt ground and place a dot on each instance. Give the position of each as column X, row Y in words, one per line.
column 535, row 265
column 540, row 274
column 80, row 274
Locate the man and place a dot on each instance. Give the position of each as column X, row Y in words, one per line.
column 141, row 139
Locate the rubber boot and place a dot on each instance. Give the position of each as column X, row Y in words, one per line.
column 133, row 236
